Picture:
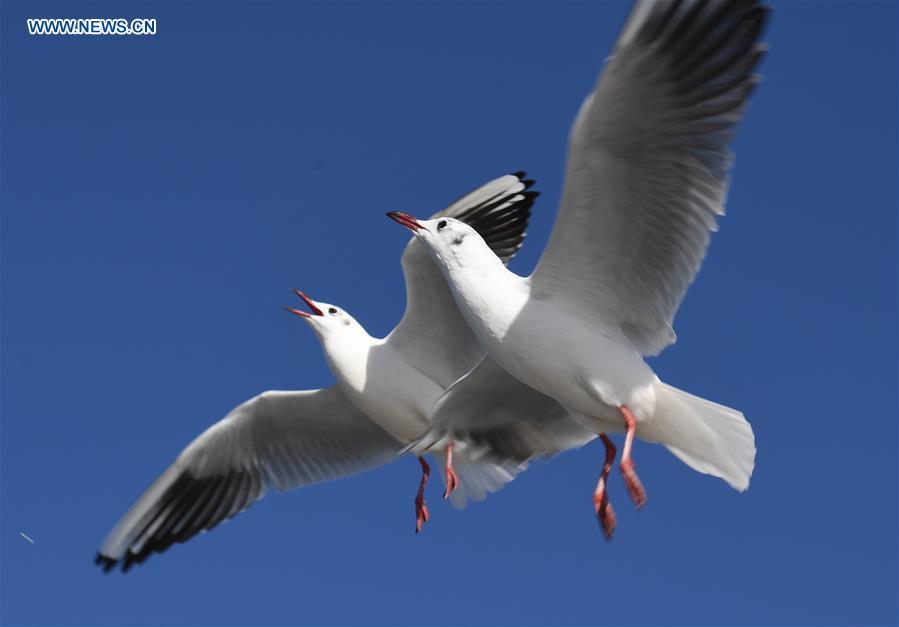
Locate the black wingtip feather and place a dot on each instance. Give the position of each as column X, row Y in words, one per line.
column 712, row 47
column 500, row 221
column 105, row 563
column 189, row 506
column 502, row 218
column 658, row 20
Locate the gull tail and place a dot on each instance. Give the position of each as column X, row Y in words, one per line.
column 477, row 479
column 708, row 437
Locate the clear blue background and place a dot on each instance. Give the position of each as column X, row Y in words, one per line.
column 160, row 194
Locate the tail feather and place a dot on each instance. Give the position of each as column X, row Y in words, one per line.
column 708, row 437
column 477, row 479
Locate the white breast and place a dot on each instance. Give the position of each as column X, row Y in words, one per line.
column 585, row 367
column 382, row 385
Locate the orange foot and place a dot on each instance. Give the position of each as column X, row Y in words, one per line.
column 605, row 512
column 421, row 513
column 632, row 481
column 421, row 510
column 452, row 481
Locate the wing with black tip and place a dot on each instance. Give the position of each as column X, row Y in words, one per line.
column 280, row 439
column 648, row 163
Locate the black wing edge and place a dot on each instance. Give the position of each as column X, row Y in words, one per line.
column 191, row 505
column 501, row 221
column 713, row 47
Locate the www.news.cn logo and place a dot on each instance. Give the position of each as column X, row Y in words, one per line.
column 91, row 26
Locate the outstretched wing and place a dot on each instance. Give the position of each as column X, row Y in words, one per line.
column 497, row 418
column 647, row 165
column 432, row 335
column 279, row 439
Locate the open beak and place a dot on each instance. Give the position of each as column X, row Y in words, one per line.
column 302, row 314
column 405, row 219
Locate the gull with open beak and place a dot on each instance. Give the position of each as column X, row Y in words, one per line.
column 646, row 178
column 381, row 403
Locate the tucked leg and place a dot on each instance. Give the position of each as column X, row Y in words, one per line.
column 631, row 480
column 604, row 511
column 421, row 510
column 452, row 481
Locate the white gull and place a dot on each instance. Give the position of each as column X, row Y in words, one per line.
column 645, row 180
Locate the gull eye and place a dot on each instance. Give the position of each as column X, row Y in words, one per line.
column 332, row 310
column 441, row 224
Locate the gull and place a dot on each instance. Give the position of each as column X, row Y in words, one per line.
column 382, row 400
column 646, row 177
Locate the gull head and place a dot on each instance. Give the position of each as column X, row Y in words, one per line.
column 450, row 242
column 325, row 319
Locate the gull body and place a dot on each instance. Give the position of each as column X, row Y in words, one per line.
column 585, row 365
column 383, row 383
column 646, row 178
column 374, row 376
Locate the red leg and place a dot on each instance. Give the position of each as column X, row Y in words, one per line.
column 631, row 480
column 452, row 481
column 604, row 510
column 421, row 510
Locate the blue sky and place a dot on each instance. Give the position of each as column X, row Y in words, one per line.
column 160, row 195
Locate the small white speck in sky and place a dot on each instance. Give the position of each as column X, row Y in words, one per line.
column 25, row 535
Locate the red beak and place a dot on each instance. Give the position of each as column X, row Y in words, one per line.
column 405, row 219
column 302, row 314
